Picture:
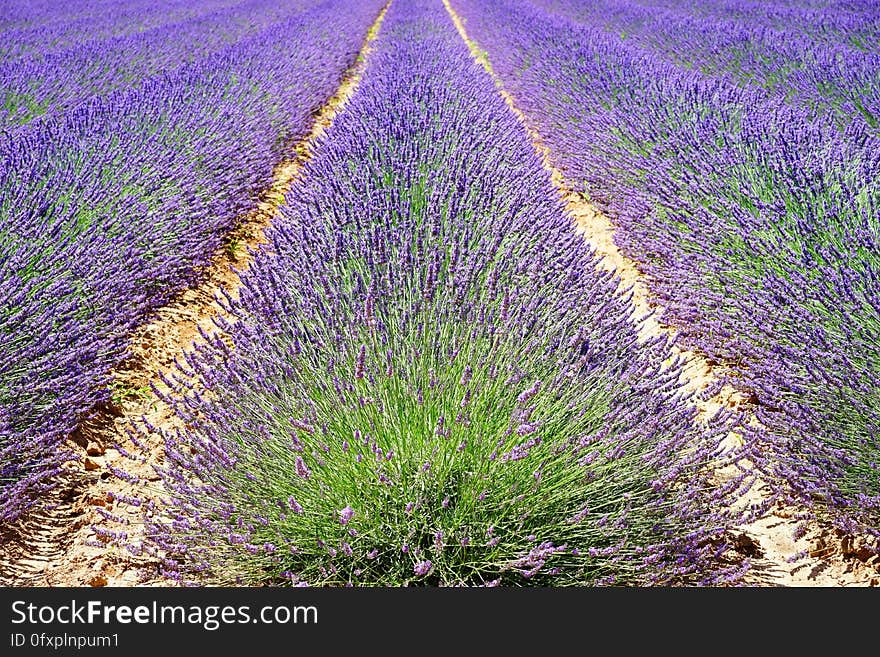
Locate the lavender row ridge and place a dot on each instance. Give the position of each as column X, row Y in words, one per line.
column 109, row 209
column 427, row 378
column 750, row 201
column 47, row 83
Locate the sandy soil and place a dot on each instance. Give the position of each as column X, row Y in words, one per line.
column 830, row 559
column 71, row 541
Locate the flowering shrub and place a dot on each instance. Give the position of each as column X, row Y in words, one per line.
column 427, row 378
column 113, row 205
column 735, row 145
column 45, row 79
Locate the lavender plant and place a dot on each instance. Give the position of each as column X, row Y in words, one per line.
column 42, row 26
column 751, row 204
column 427, row 378
column 110, row 208
column 42, row 82
column 804, row 51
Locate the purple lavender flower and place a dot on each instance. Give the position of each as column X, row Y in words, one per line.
column 361, row 360
column 528, row 394
column 345, row 515
column 302, row 469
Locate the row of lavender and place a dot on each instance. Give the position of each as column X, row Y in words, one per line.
column 430, row 379
column 754, row 212
column 803, row 52
column 110, row 208
column 34, row 27
column 48, row 81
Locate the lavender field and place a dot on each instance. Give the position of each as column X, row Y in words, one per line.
column 315, row 292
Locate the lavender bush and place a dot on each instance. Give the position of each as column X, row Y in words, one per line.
column 45, row 26
column 49, row 82
column 735, row 146
column 111, row 207
column 802, row 51
column 429, row 380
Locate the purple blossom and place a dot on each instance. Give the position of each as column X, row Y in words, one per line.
column 302, row 469
column 528, row 394
column 422, row 568
column 345, row 515
column 360, row 364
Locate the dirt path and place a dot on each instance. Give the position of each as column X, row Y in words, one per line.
column 830, row 560
column 69, row 543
